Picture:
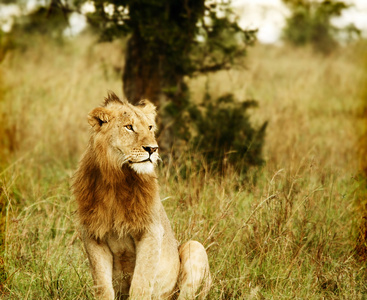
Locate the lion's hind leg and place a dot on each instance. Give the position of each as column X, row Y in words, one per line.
column 194, row 279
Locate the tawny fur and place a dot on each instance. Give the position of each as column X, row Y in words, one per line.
column 129, row 241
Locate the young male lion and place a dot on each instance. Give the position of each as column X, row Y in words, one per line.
column 131, row 247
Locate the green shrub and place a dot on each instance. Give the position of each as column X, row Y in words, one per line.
column 220, row 130
column 225, row 133
column 37, row 26
column 310, row 23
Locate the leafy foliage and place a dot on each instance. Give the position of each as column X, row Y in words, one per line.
column 220, row 129
column 310, row 23
column 42, row 23
column 225, row 134
column 194, row 36
column 46, row 21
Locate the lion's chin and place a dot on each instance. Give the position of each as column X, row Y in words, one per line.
column 143, row 167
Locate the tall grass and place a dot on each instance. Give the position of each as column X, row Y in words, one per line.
column 288, row 231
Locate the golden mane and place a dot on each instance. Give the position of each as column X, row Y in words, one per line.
column 121, row 201
column 112, row 196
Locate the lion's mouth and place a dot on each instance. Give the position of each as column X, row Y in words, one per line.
column 141, row 161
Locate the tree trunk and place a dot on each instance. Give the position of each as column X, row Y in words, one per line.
column 141, row 78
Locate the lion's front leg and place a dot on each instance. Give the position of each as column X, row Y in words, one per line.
column 194, row 280
column 101, row 263
column 148, row 250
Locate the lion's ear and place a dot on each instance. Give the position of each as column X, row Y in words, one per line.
column 98, row 116
column 147, row 107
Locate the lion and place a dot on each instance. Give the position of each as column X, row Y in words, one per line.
column 131, row 247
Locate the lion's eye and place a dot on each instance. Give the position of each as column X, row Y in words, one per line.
column 129, row 127
column 150, row 127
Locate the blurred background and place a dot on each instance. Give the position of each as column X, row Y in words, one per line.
column 262, row 132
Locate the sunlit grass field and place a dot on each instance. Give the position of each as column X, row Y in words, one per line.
column 288, row 231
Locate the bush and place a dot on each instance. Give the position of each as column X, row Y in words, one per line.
column 42, row 23
column 225, row 134
column 310, row 23
column 221, row 131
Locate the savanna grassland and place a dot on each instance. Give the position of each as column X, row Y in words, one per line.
column 288, row 231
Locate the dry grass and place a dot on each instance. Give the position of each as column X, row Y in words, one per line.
column 287, row 232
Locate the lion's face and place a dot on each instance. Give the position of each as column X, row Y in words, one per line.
column 124, row 134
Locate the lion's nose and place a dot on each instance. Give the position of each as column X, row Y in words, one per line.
column 150, row 149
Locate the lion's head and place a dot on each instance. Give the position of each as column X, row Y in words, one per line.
column 123, row 134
